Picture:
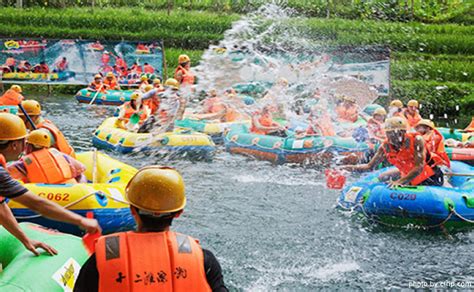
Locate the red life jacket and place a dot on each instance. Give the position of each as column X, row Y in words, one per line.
column 47, row 166
column 61, row 143
column 404, row 159
column 148, row 69
column 120, row 63
column 152, row 261
column 186, row 76
column 11, row 97
column 434, row 143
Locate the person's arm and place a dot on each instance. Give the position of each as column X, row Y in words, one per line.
column 54, row 211
column 420, row 157
column 378, row 157
column 213, row 270
column 9, row 222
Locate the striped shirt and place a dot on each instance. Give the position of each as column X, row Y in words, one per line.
column 10, row 188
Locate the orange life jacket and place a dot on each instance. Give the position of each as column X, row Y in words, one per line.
column 266, row 120
column 11, row 97
column 61, row 142
column 152, row 261
column 232, row 115
column 345, row 114
column 47, row 166
column 96, row 86
column 111, row 84
column 412, row 119
column 3, row 163
column 434, row 143
column 214, row 105
column 404, row 159
column 376, row 129
column 148, row 69
column 129, row 111
column 153, row 103
column 186, row 76
column 323, row 127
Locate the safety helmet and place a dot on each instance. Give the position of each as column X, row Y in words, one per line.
column 156, row 81
column 396, row 103
column 148, row 87
column 413, row 102
column 156, row 189
column 135, row 95
column 183, row 59
column 11, row 127
column 143, row 77
column 426, row 122
column 395, row 124
column 97, row 76
column 16, row 88
column 173, row 83
column 32, row 107
column 380, row 111
column 39, row 138
column 110, row 74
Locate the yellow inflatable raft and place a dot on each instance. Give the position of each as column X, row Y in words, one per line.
column 104, row 198
column 180, row 141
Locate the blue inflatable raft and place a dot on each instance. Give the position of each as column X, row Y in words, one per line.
column 422, row 206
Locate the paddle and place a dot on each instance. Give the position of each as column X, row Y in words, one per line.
column 459, row 174
column 335, row 179
column 28, row 118
column 96, row 94
column 90, row 238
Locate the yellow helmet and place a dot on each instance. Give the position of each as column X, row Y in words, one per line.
column 143, row 77
column 156, row 189
column 156, row 81
column 97, row 76
column 32, row 107
column 413, row 102
column 173, row 83
column 396, row 103
column 110, row 74
column 135, row 95
column 426, row 122
column 11, row 127
column 380, row 111
column 39, row 138
column 395, row 124
column 183, row 59
column 148, row 87
column 16, row 88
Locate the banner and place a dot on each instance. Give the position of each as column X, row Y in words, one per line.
column 75, row 62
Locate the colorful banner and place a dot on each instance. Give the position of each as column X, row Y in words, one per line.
column 75, row 62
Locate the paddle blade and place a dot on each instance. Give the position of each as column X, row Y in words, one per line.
column 134, row 119
column 335, row 179
column 89, row 239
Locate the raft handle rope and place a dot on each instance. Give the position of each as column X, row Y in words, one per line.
column 100, row 193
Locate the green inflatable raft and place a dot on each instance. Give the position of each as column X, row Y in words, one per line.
column 110, row 97
column 22, row 271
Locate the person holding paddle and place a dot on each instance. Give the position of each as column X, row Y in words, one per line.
column 133, row 113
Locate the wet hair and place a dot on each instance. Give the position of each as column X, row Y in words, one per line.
column 155, row 223
column 145, row 63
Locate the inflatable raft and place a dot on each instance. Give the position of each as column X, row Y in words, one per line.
column 213, row 129
column 24, row 272
column 38, row 76
column 110, row 97
column 455, row 134
column 179, row 143
column 103, row 198
column 461, row 154
column 424, row 206
column 279, row 150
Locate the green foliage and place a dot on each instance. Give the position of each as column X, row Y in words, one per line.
column 459, row 71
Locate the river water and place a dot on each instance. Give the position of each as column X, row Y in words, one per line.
column 276, row 227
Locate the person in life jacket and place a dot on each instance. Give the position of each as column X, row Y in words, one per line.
column 143, row 82
column 320, row 123
column 58, row 140
column 12, row 145
column 172, row 106
column 62, row 65
column 153, row 257
column 43, row 164
column 408, row 153
column 395, row 109
column 434, row 142
column 97, row 84
column 42, row 67
column 347, row 109
column 213, row 103
column 147, row 68
column 411, row 113
column 151, row 99
column 24, row 66
column 12, row 96
column 110, row 82
column 157, row 84
column 183, row 72
column 375, row 125
column 136, row 68
column 120, row 62
column 10, row 62
column 105, row 58
column 132, row 113
column 263, row 123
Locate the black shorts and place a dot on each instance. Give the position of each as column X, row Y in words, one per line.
column 437, row 179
